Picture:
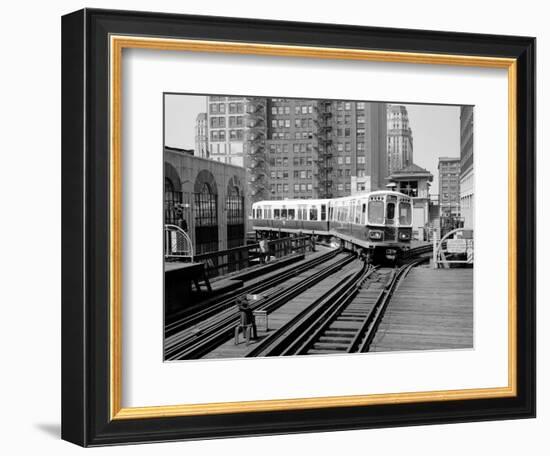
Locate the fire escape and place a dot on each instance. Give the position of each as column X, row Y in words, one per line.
column 323, row 174
column 255, row 149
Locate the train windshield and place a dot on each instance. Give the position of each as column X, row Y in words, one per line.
column 376, row 212
column 404, row 213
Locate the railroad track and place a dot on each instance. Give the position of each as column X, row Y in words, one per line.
column 199, row 340
column 228, row 300
column 344, row 320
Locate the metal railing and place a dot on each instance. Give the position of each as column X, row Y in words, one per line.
column 456, row 247
column 177, row 244
column 230, row 260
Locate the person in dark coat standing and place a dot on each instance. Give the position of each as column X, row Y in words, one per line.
column 247, row 315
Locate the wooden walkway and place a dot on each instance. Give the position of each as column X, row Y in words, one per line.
column 432, row 309
column 286, row 312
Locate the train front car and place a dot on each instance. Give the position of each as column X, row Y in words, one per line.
column 388, row 228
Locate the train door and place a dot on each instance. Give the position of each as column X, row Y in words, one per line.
column 324, row 216
column 391, row 226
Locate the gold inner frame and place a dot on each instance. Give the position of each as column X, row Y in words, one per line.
column 117, row 44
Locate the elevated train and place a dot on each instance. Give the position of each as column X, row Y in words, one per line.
column 378, row 223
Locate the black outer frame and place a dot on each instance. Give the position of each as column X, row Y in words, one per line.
column 85, row 227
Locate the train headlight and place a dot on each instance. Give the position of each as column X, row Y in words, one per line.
column 377, row 235
column 404, row 236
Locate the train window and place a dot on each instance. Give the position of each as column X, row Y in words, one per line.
column 291, row 214
column 390, row 211
column 283, row 213
column 363, row 213
column 404, row 213
column 276, row 213
column 323, row 212
column 358, row 213
column 376, row 212
column 313, row 213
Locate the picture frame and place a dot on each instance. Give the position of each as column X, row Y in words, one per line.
column 92, row 45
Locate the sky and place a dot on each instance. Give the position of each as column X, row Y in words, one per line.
column 436, row 133
column 180, row 114
column 435, row 129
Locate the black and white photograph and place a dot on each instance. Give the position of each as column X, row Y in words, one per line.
column 299, row 226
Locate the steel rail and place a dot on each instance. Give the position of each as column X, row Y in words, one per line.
column 203, row 341
column 278, row 342
column 369, row 327
column 301, row 333
column 229, row 299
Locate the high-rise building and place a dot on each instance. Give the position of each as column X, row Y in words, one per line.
column 318, row 148
column 300, row 148
column 226, row 129
column 400, row 141
column 449, row 186
column 201, row 136
column 467, row 165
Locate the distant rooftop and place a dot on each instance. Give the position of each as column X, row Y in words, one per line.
column 411, row 171
column 182, row 151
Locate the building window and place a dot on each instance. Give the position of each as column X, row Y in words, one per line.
column 205, row 207
column 235, row 135
column 360, row 159
column 235, row 121
column 235, row 108
column 234, row 207
column 217, row 122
